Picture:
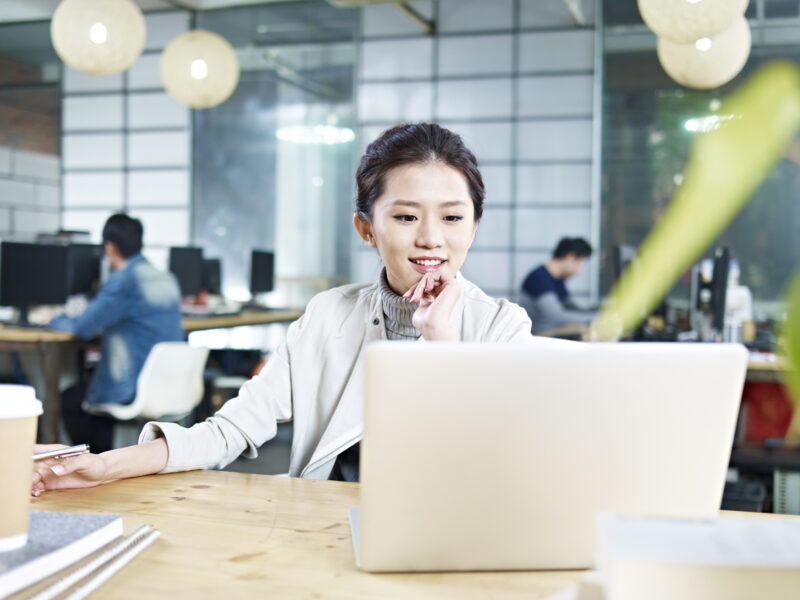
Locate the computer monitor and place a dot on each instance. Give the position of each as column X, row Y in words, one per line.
column 212, row 276
column 84, row 268
column 186, row 263
column 33, row 274
column 719, row 287
column 262, row 271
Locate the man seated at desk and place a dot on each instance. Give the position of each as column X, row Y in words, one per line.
column 544, row 294
column 137, row 307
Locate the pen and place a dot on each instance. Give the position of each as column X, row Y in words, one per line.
column 63, row 452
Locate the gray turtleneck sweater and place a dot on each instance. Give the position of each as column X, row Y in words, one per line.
column 397, row 313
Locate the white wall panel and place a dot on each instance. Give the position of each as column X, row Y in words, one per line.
column 488, row 141
column 28, row 221
column 34, row 165
column 158, row 257
column 475, row 55
column 398, row 59
column 541, row 228
column 556, row 51
column 156, row 110
column 48, row 196
column 88, row 220
column 91, row 150
column 554, row 184
column 93, row 189
column 92, row 112
column 475, row 15
column 488, row 270
column 5, row 220
column 555, row 140
column 395, row 102
column 497, row 182
column 75, row 81
column 494, row 230
column 473, row 99
column 153, row 188
column 5, row 161
column 17, row 193
column 164, row 227
column 368, row 265
column 368, row 134
column 144, row 73
column 565, row 95
column 158, row 149
column 162, row 27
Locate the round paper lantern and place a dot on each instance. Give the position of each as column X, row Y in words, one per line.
column 709, row 62
column 199, row 68
column 685, row 21
column 98, row 37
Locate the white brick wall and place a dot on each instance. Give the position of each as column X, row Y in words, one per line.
column 127, row 146
column 29, row 193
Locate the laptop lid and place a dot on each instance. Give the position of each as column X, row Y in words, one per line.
column 480, row 457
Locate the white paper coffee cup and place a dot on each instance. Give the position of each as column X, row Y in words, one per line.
column 19, row 413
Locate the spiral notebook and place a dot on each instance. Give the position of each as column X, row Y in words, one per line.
column 56, row 540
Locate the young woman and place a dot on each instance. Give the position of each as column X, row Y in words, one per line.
column 420, row 197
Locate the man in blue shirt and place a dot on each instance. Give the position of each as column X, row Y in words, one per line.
column 137, row 307
column 544, row 294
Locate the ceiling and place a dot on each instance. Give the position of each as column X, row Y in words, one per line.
column 37, row 10
column 25, row 27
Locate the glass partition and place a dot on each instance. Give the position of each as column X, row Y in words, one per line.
column 648, row 124
column 273, row 165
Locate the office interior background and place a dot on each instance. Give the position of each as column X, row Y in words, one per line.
column 577, row 129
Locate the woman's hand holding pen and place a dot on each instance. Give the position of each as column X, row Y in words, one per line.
column 437, row 296
column 84, row 470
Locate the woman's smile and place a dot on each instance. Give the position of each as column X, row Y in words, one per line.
column 427, row 264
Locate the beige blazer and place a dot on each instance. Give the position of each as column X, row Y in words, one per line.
column 316, row 380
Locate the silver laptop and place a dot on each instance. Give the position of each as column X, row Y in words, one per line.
column 483, row 457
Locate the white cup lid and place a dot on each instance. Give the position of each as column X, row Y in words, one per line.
column 18, row 402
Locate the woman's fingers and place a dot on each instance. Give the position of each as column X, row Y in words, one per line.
column 419, row 289
column 72, row 465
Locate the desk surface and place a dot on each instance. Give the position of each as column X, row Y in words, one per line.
column 237, row 535
column 253, row 317
column 9, row 333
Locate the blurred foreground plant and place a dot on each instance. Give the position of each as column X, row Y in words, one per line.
column 725, row 166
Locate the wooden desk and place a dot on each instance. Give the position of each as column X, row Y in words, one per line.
column 234, row 535
column 766, row 371
column 47, row 344
column 246, row 317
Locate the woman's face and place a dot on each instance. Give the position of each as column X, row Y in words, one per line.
column 424, row 222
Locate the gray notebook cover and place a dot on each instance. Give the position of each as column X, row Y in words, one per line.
column 55, row 540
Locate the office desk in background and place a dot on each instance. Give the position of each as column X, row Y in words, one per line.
column 237, row 535
column 49, row 344
column 244, row 318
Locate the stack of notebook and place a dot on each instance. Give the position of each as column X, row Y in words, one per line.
column 57, row 542
column 730, row 558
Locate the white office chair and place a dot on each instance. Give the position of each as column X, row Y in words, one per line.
column 169, row 387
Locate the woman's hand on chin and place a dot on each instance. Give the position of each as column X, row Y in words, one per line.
column 437, row 295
